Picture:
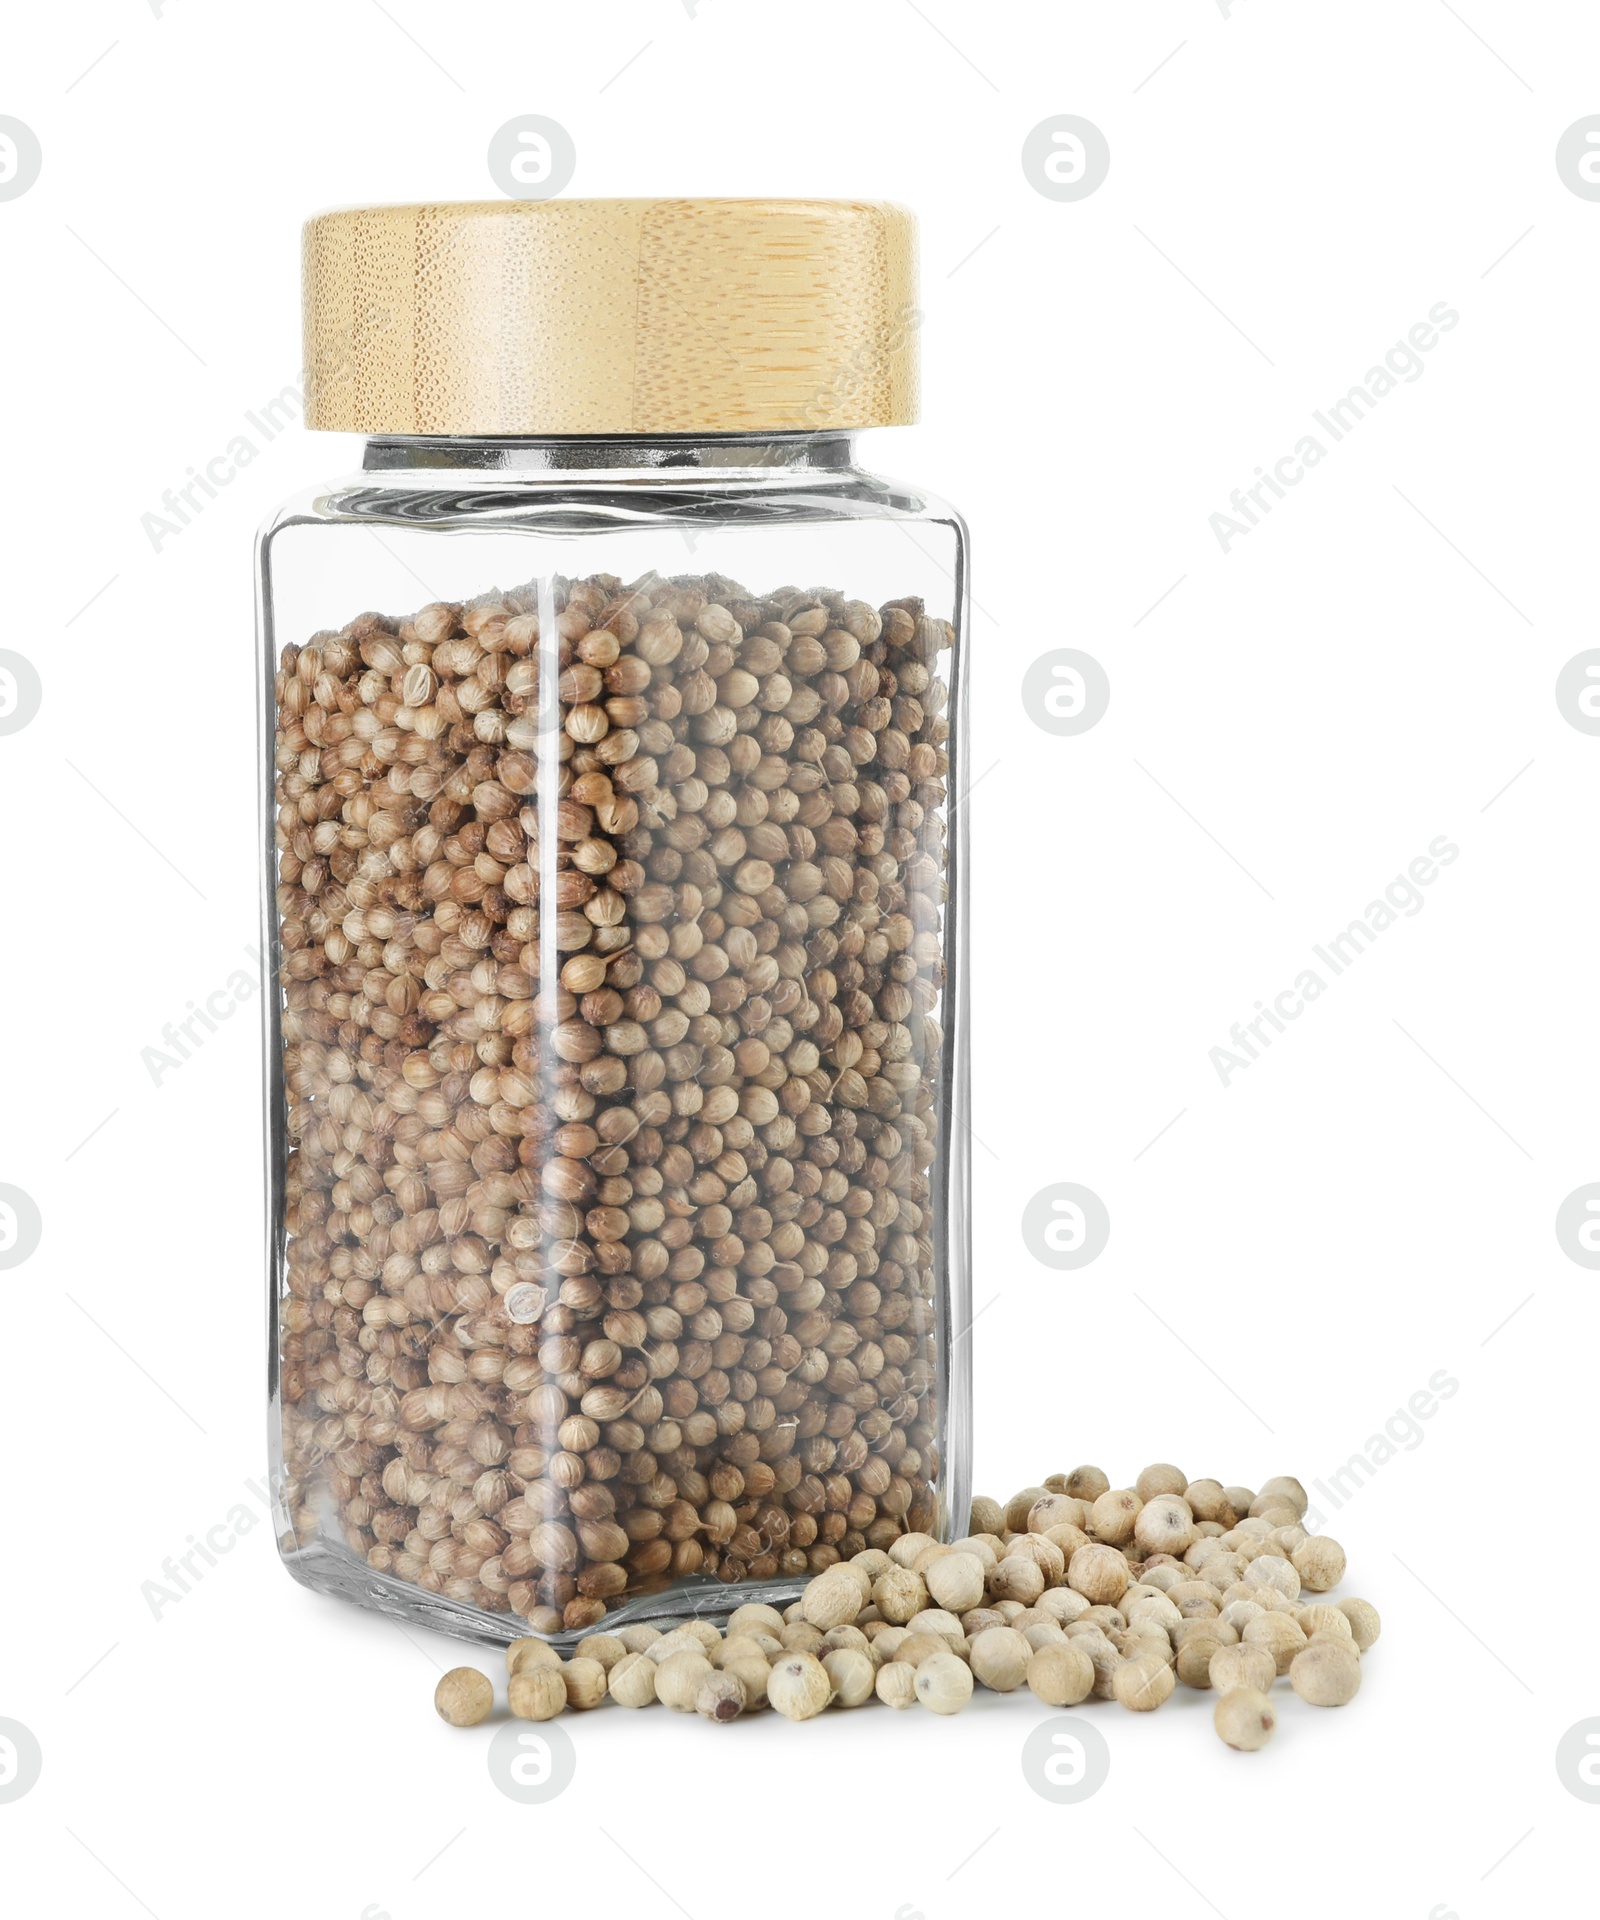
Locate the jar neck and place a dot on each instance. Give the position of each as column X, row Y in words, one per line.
column 725, row 453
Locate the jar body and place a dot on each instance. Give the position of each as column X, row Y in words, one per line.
column 616, row 1086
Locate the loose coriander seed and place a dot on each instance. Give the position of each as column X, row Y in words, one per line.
column 463, row 1697
column 752, row 1675
column 1017, row 1578
column 1019, row 1505
column 678, row 1679
column 1327, row 1618
column 1272, row 1570
column 538, row 1693
column 1064, row 1604
column 1208, row 1500
column 1085, row 1483
column 1099, row 1573
column 852, row 1675
column 1327, row 1674
column 1245, row 1719
column 720, row 1697
column 754, row 1618
column 1319, row 1563
column 1000, row 1657
column 1365, row 1626
column 1242, row 1666
column 1194, row 1660
column 956, row 1582
column 585, row 1681
column 604, row 1647
column 1112, row 1516
column 1165, row 1524
column 632, row 1681
column 1288, row 1490
column 1142, row 1684
column 530, row 1653
column 988, row 1516
column 798, row 1686
column 1160, row 1479
column 1278, row 1634
column 944, row 1683
column 896, row 1684
column 937, row 1620
column 1061, row 1676
column 1054, row 1510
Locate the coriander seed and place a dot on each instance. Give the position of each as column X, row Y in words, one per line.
column 537, row 1693
column 1245, row 1719
column 944, row 1683
column 720, row 1697
column 798, row 1686
column 1365, row 1626
column 463, row 1697
column 896, row 1684
column 1061, row 1676
column 1326, row 1674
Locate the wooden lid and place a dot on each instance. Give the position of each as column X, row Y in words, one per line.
column 611, row 316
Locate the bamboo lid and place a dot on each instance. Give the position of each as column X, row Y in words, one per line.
column 611, row 316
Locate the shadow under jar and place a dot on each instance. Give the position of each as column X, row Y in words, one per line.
column 616, row 1128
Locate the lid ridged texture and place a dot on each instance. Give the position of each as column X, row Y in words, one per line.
column 611, row 316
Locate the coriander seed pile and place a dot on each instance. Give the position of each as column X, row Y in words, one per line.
column 612, row 962
column 1228, row 1603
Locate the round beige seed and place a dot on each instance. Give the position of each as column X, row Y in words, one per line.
column 1278, row 1634
column 1085, row 1483
column 896, row 1684
column 678, row 1679
column 798, row 1686
column 1252, row 1668
column 1194, row 1660
column 1112, row 1516
column 585, row 1681
column 632, row 1681
column 752, row 1674
column 956, row 1581
column 833, row 1599
column 1244, row 1719
column 463, row 1697
column 898, row 1594
column 538, row 1693
column 604, row 1647
column 1061, row 1676
column 1327, row 1674
column 1365, row 1626
column 720, row 1697
column 852, row 1675
column 944, row 1683
column 1142, row 1684
column 988, row 1516
column 1159, row 1479
column 1017, row 1578
column 530, row 1652
column 1319, row 1563
column 1165, row 1525
column 1099, row 1573
column 1000, row 1657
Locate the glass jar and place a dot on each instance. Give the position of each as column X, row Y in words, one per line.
column 616, row 1097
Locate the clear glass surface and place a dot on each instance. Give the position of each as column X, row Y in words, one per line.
column 616, row 1126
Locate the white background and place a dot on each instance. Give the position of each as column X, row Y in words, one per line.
column 1289, row 727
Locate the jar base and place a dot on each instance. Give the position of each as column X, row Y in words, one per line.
column 328, row 1569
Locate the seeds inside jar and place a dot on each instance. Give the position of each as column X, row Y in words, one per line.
column 612, row 1054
